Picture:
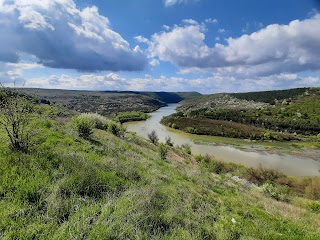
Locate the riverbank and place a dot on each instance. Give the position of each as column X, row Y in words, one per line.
column 291, row 158
column 295, row 148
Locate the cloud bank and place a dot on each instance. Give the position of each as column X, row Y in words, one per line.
column 274, row 49
column 210, row 84
column 59, row 35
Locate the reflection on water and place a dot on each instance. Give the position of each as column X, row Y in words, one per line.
column 291, row 165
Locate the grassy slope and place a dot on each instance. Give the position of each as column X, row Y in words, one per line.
column 112, row 188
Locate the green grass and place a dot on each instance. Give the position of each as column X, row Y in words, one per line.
column 119, row 188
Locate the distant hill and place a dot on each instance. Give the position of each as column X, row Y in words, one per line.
column 107, row 102
column 270, row 96
column 172, row 97
column 294, row 111
column 167, row 97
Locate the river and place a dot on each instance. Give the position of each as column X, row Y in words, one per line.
column 286, row 163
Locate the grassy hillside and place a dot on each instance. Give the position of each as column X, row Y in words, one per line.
column 117, row 187
column 297, row 117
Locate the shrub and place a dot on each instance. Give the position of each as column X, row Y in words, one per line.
column 186, row 148
column 100, row 121
column 115, row 128
column 314, row 207
column 190, row 130
column 16, row 115
column 312, row 190
column 153, row 137
column 84, row 125
column 261, row 175
column 163, row 151
column 214, row 166
column 169, row 141
column 277, row 192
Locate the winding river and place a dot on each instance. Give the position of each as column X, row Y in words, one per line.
column 288, row 164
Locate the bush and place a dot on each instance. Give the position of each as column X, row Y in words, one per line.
column 186, row 148
column 153, row 137
column 279, row 193
column 100, row 121
column 163, row 151
column 16, row 115
column 261, row 175
column 115, row 128
column 84, row 125
column 314, row 207
column 169, row 141
column 312, row 190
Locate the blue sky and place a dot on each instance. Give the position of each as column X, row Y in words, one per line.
column 160, row 45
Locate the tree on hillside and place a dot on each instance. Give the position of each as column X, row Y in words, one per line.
column 16, row 113
column 153, row 137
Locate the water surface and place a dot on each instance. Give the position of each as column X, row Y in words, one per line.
column 288, row 164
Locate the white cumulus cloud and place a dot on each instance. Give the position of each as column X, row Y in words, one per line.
column 60, row 35
column 211, row 20
column 274, row 49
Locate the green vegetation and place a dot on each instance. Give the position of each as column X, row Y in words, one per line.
column 163, row 151
column 302, row 116
column 205, row 126
column 296, row 118
column 107, row 103
column 123, row 117
column 271, row 183
column 84, row 124
column 271, row 96
column 169, row 141
column 169, row 97
column 16, row 114
column 111, row 187
column 153, row 137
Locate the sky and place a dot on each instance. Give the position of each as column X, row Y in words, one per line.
column 207, row 46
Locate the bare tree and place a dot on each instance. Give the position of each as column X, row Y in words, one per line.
column 169, row 141
column 16, row 113
column 153, row 137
